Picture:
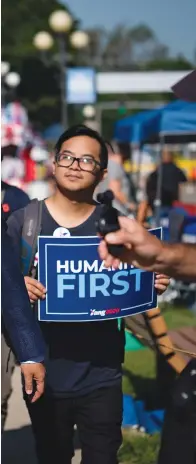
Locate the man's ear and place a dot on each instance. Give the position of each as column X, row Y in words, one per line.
column 54, row 167
column 104, row 174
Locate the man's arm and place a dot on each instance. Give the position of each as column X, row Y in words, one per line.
column 142, row 211
column 114, row 183
column 18, row 317
column 144, row 250
column 179, row 261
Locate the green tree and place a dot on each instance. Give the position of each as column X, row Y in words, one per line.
column 122, row 49
column 167, row 63
column 21, row 20
column 39, row 88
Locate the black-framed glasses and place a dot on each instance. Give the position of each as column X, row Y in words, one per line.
column 85, row 163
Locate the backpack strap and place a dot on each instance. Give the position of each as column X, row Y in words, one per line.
column 31, row 230
column 2, row 196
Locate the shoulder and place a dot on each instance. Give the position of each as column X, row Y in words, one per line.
column 16, row 220
column 17, row 215
column 20, row 194
column 16, row 198
column 3, row 222
column 4, row 185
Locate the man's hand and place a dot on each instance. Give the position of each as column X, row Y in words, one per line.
column 161, row 283
column 34, row 372
column 35, row 289
column 140, row 247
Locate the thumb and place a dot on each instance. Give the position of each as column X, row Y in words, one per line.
column 120, row 237
column 28, row 378
column 129, row 224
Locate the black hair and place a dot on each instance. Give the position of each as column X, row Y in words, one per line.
column 109, row 145
column 79, row 130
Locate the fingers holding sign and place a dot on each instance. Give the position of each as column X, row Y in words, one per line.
column 161, row 283
column 109, row 260
column 35, row 289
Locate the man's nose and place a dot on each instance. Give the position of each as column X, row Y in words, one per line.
column 75, row 165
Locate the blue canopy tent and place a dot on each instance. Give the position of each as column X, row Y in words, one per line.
column 178, row 119
column 173, row 123
column 176, row 123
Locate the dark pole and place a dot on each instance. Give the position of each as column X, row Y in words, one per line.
column 3, row 92
column 63, row 68
column 157, row 202
column 138, row 174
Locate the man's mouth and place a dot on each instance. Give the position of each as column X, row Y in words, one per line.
column 73, row 177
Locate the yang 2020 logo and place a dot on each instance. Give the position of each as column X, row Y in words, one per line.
column 106, row 312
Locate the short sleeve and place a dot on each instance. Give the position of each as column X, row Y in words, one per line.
column 182, row 176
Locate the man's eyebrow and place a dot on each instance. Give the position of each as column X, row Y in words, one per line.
column 66, row 151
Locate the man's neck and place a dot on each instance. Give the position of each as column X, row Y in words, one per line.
column 68, row 209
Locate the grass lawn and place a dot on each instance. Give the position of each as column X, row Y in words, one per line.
column 139, row 449
column 139, row 381
column 178, row 317
column 139, row 367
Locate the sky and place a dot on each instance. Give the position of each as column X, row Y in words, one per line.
column 172, row 20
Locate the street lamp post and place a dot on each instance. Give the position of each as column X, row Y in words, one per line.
column 5, row 67
column 63, row 70
column 61, row 23
column 11, row 79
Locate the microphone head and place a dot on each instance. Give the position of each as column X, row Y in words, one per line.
column 105, row 197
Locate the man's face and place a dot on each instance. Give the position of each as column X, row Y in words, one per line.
column 73, row 176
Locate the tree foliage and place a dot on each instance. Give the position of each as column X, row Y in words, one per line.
column 122, row 49
column 21, row 20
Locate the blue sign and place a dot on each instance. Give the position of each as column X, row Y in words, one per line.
column 80, row 288
column 81, row 86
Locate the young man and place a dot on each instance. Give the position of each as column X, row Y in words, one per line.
column 83, row 383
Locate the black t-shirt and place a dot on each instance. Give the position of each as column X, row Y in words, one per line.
column 172, row 176
column 80, row 357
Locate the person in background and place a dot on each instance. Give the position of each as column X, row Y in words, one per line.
column 38, row 187
column 12, row 167
column 118, row 181
column 172, row 177
column 12, row 198
column 22, row 329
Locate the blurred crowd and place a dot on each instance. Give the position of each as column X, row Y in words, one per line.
column 133, row 177
column 26, row 160
column 27, row 164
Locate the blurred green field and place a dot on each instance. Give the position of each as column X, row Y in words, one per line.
column 139, row 380
column 139, row 366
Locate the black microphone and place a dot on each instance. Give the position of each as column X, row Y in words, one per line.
column 108, row 221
